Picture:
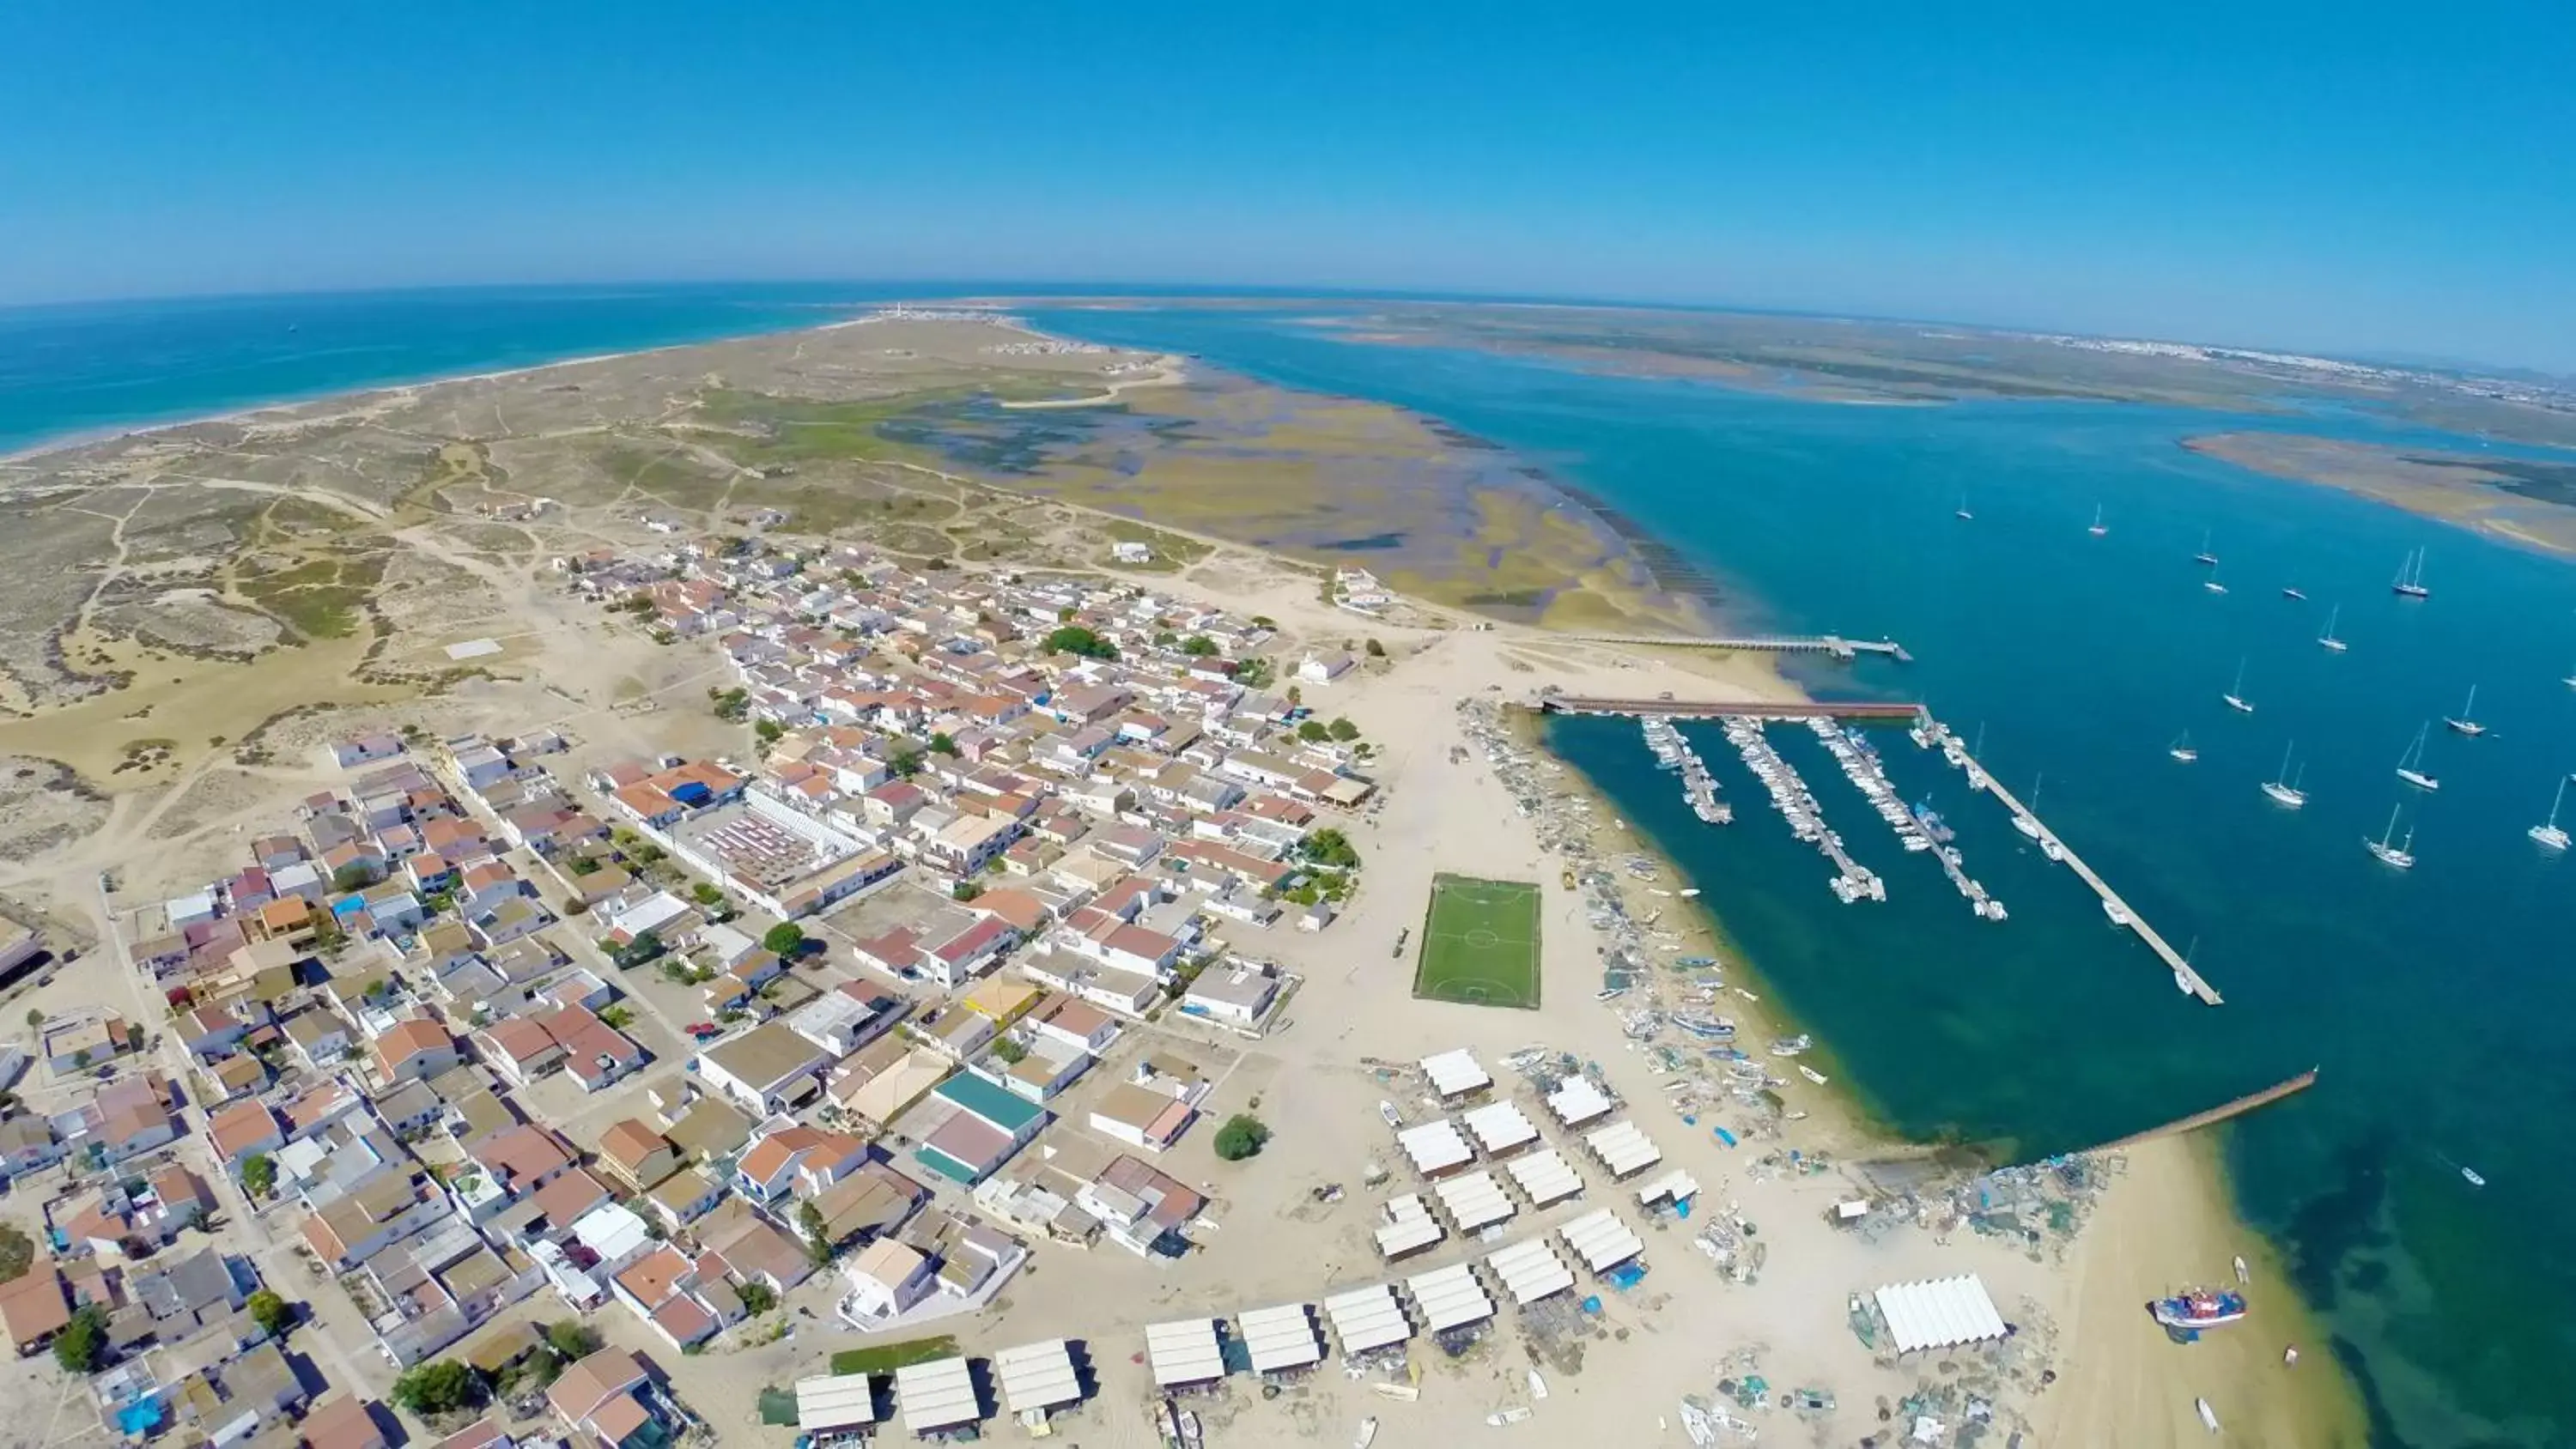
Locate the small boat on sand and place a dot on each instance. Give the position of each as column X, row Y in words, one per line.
column 1538, row 1387
column 2208, row 1415
column 1811, row 1074
column 2199, row 1308
column 1367, row 1434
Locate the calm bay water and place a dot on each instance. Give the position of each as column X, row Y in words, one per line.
column 2436, row 1001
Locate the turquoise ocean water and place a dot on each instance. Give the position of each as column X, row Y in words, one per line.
column 2437, row 1002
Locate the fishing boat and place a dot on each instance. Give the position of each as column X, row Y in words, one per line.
column 2409, row 582
column 2208, row 1415
column 1811, row 1074
column 2467, row 721
column 1191, row 1437
column 2097, row 530
column 1503, row 1418
column 2282, row 788
column 1367, row 1434
column 1697, row 1425
column 2327, row 640
column 2396, row 856
column 1962, row 513
column 2118, row 913
column 2243, row 1275
column 2205, row 557
column 2199, row 1308
column 2474, row 1179
column 1394, row 1118
column 2410, row 765
column 2235, row 695
column 1790, row 1046
column 1538, row 1387
column 2550, row 834
column 1691, row 893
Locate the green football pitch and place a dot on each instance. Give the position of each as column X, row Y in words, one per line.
column 1480, row 943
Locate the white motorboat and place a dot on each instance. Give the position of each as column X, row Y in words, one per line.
column 1538, row 1387
column 2550, row 834
column 2467, row 722
column 2208, row 1415
column 1811, row 1074
column 2327, row 640
column 2395, row 856
column 2235, row 695
column 2118, row 913
column 2283, row 788
column 2410, row 765
column 1367, row 1434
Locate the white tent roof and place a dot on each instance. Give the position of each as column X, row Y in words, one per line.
column 1454, row 1072
column 1544, row 1177
column 1184, row 1351
column 1449, row 1297
column 1037, row 1375
column 834, row 1402
column 1676, row 1184
column 1367, row 1318
column 1409, row 1225
column 939, row 1394
column 1474, row 1201
column 1939, row 1313
column 1530, row 1271
column 1434, row 1146
column 1280, row 1338
column 1499, row 1127
column 1576, row 1101
column 1622, row 1148
column 1601, row 1240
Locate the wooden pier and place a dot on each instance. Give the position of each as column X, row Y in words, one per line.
column 1726, row 708
column 2189, row 979
column 2237, row 1108
column 1832, row 644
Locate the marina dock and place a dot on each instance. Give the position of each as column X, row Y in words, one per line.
column 2184, row 976
column 1831, row 644
column 1724, row 708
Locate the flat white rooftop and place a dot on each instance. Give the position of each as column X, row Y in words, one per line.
column 1184, row 1351
column 1544, row 1177
column 939, row 1394
column 1449, row 1297
column 1622, row 1148
column 1367, row 1318
column 1940, row 1313
column 1530, row 1271
column 1435, row 1147
column 1677, row 1184
column 1499, row 1127
column 1473, row 1201
column 1601, row 1240
column 1409, row 1226
column 834, row 1402
column 1037, row 1376
column 1455, row 1073
column 1576, row 1101
column 1280, row 1338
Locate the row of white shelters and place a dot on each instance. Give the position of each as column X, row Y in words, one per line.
column 1622, row 1149
column 1456, row 1073
column 1499, row 1127
column 1367, row 1318
column 1184, row 1351
column 1435, row 1147
column 1544, row 1177
column 1530, row 1271
column 1449, row 1298
column 1601, row 1240
column 1037, row 1376
column 1939, row 1313
column 1473, row 1201
column 835, row 1403
column 1576, row 1101
column 1409, row 1227
column 936, row 1395
column 1280, row 1338
column 1677, row 1185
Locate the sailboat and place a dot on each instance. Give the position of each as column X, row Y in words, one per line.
column 2204, row 556
column 2293, row 591
column 2393, row 855
column 2550, row 835
column 2097, row 530
column 2213, row 585
column 2027, row 821
column 2569, row 680
column 2235, row 695
column 1963, row 514
column 2182, row 977
column 2409, row 582
column 2410, row 765
column 2282, row 788
column 2328, row 639
column 2467, row 722
column 2181, row 748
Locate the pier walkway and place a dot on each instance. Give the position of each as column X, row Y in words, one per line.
column 2184, row 975
column 2220, row 1113
column 1833, row 644
column 1724, row 708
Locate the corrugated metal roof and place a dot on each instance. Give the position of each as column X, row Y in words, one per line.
column 1576, row 1101
column 939, row 1394
column 1184, row 1351
column 1367, row 1318
column 1409, row 1226
column 1530, row 1271
column 1434, row 1146
column 1449, row 1297
column 1544, row 1177
column 1037, row 1375
column 1676, row 1184
column 1622, row 1148
column 835, row 1401
column 1939, row 1313
column 1454, row 1072
column 1474, row 1201
column 1601, row 1240
column 1499, row 1127
column 1280, row 1338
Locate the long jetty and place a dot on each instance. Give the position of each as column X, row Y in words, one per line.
column 1833, row 644
column 2189, row 979
column 2220, row 1113
column 1724, row 708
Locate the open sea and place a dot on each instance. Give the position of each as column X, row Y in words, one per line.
column 2438, row 1002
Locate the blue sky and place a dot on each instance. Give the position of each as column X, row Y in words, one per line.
column 2374, row 179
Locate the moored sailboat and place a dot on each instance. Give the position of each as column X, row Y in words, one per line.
column 2328, row 639
column 2467, row 720
column 2097, row 530
column 2181, row 749
column 2282, row 788
column 2550, row 834
column 2235, row 695
column 2410, row 765
column 2205, row 557
column 2398, row 856
column 2409, row 582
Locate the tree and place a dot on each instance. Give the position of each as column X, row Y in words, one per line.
column 1253, row 673
column 1376, row 650
column 965, row 890
column 943, row 743
column 36, row 1017
column 1010, row 1051
column 572, row 1339
column 438, row 1387
column 706, row 895
column 1242, row 1136
column 1342, row 729
column 617, row 1017
column 783, row 940
column 757, row 1298
column 272, row 1313
column 768, row 731
column 1075, row 639
column 1330, row 846
column 356, row 875
column 1198, row 644
column 1313, row 732
column 17, row 1253
column 1296, row 695
column 82, row 1345
column 258, row 1174
column 818, row 1233
column 80, row 1060
column 906, row 763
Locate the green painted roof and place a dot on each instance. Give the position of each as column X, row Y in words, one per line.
column 994, row 1105
column 945, row 1165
